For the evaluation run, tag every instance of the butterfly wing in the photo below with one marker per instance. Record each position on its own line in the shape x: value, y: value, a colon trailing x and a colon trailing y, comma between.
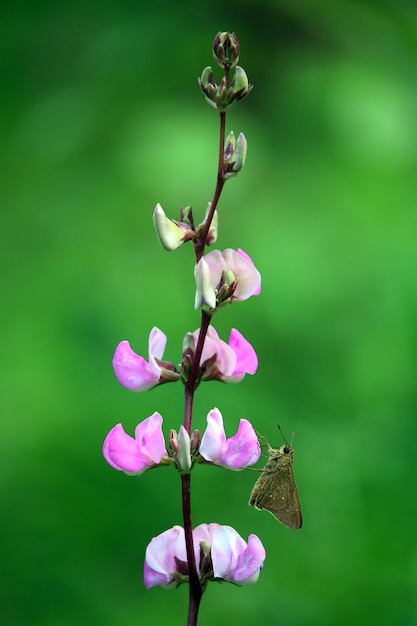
x: 276, y: 491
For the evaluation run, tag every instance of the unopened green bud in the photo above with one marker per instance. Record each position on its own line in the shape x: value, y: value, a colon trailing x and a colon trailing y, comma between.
x: 234, y: 154
x: 240, y: 84
x: 183, y: 455
x: 208, y: 86
x: 226, y: 49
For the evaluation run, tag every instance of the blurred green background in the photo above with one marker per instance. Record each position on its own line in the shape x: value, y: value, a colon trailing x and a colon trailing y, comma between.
x: 102, y: 118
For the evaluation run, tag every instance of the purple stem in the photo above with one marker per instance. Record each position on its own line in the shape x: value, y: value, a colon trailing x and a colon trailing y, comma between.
x: 196, y: 591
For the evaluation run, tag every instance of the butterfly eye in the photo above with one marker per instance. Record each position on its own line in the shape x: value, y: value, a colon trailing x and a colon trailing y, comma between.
x: 287, y: 450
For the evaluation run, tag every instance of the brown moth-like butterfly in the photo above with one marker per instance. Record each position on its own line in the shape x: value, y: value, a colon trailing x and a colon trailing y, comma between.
x: 275, y: 490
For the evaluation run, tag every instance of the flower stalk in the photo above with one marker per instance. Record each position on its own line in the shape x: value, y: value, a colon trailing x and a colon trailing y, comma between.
x: 210, y: 551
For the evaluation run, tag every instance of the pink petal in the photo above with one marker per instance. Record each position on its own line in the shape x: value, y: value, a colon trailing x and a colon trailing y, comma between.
x: 243, y: 448
x: 226, y: 357
x: 250, y: 561
x: 121, y: 452
x: 214, y: 438
x: 150, y: 439
x: 132, y: 371
x: 248, y: 277
x: 247, y: 360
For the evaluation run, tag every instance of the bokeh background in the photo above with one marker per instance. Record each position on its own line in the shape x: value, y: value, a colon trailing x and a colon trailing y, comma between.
x: 101, y: 118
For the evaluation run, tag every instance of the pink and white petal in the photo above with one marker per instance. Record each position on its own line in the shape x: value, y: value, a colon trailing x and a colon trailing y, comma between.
x: 131, y: 369
x: 247, y: 257
x: 159, y: 557
x: 210, y: 345
x: 150, y: 439
x: 246, y: 357
x: 216, y: 263
x: 249, y: 279
x: 214, y: 438
x: 204, y: 532
x: 226, y: 546
x: 156, y: 346
x: 153, y: 578
x: 250, y: 561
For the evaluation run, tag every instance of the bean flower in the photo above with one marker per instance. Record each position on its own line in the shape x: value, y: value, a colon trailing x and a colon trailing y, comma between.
x: 220, y: 553
x: 231, y: 360
x: 223, y: 277
x: 234, y: 453
x: 135, y: 373
x: 136, y: 455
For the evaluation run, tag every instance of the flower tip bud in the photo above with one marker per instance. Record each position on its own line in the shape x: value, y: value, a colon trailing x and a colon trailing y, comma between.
x: 226, y: 49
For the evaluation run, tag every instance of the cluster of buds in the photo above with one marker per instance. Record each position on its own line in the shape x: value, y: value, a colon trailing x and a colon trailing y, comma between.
x: 222, y: 96
x: 226, y: 50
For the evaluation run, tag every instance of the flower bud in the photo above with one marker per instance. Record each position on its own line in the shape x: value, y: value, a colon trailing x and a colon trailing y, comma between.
x: 208, y: 86
x: 234, y: 154
x: 171, y: 234
x: 240, y: 84
x: 226, y: 49
x: 212, y: 233
x: 184, y: 451
x: 195, y: 441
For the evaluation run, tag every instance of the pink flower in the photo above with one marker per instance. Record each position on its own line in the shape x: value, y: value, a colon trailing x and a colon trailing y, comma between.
x: 224, y: 277
x: 220, y: 553
x: 137, y: 374
x: 135, y: 456
x: 233, y: 360
x: 233, y: 559
x: 234, y: 453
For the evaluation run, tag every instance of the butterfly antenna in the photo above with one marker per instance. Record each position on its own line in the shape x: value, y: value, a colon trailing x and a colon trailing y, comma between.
x: 284, y: 437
